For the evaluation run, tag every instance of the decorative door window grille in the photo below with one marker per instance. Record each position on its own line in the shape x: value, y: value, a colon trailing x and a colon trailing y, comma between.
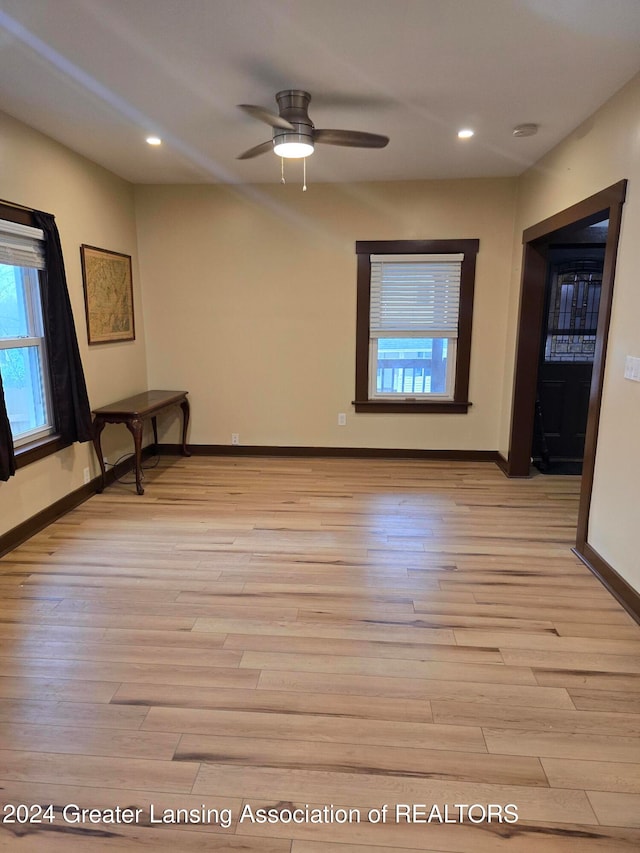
x: 572, y: 320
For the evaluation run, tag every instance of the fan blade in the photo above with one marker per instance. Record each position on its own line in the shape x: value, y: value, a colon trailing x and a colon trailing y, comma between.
x: 267, y: 117
x: 256, y: 150
x: 351, y: 138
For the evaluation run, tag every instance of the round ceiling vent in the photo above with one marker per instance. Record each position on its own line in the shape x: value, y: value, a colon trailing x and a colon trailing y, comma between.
x: 525, y: 130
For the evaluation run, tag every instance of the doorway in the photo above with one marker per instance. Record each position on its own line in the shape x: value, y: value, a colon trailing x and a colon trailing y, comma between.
x: 603, y: 206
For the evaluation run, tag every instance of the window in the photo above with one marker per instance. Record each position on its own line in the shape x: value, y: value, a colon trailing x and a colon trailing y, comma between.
x: 23, y: 353
x: 42, y: 377
x: 415, y: 301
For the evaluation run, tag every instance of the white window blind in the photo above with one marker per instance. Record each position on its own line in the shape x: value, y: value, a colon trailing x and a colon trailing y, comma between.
x: 416, y: 295
x: 21, y: 245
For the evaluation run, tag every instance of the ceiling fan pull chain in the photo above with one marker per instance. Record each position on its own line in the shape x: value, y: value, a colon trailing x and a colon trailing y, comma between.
x: 282, y: 180
x: 304, y: 175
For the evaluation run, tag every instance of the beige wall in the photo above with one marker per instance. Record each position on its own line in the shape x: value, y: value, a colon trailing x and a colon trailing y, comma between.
x: 250, y: 301
x: 91, y: 206
x: 602, y: 151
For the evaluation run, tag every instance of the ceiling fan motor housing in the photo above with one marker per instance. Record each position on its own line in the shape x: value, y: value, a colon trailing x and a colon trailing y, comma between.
x: 294, y: 135
x: 293, y: 105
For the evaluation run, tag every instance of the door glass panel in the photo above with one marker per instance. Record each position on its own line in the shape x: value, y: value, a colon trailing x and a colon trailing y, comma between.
x: 572, y: 320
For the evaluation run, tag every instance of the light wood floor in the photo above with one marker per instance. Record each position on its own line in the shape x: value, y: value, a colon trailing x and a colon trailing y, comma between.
x: 356, y: 633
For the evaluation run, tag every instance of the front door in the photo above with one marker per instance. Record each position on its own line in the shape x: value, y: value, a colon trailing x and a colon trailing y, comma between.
x: 566, y: 359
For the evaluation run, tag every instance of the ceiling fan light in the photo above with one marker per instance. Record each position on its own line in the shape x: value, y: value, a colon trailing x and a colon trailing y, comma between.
x: 293, y: 150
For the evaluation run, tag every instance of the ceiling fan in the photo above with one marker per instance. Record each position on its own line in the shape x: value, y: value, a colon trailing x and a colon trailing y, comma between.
x: 294, y: 134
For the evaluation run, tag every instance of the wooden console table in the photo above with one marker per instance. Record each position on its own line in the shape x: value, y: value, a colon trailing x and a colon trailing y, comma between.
x: 133, y: 412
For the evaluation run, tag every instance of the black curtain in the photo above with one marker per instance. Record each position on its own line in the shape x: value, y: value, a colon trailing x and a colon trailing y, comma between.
x: 7, y: 460
x: 69, y: 391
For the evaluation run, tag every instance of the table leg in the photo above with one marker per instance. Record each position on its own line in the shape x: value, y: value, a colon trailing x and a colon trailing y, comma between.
x: 98, y: 426
x: 154, y: 424
x: 184, y: 405
x: 135, y: 428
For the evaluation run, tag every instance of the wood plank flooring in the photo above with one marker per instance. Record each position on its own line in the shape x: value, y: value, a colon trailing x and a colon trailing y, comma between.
x: 264, y: 633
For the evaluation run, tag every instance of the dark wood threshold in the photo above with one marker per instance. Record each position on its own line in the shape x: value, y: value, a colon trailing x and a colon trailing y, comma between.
x: 619, y: 588
x: 17, y: 535
x: 340, y: 452
x: 408, y: 407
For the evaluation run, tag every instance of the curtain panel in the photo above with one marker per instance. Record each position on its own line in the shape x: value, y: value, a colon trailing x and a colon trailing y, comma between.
x: 7, y: 459
x: 69, y: 390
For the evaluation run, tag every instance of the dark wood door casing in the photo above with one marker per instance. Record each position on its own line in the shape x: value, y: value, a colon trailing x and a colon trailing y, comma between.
x: 606, y: 204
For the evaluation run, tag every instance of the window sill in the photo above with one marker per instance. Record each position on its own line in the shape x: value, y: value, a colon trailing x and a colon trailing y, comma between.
x: 391, y: 407
x: 28, y: 453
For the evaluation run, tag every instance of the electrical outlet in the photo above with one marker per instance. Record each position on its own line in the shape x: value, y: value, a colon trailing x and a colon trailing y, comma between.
x: 86, y: 475
x: 342, y: 419
x: 235, y: 438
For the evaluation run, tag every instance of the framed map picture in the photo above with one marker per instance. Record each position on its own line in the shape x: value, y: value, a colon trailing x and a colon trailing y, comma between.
x: 108, y: 295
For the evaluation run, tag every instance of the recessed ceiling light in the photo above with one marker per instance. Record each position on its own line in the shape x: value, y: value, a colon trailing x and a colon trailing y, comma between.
x: 465, y: 133
x: 154, y: 140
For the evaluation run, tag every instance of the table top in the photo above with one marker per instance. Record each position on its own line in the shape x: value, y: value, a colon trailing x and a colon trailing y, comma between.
x: 141, y: 405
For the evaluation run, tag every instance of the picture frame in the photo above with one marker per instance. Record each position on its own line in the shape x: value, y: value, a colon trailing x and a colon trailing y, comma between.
x: 108, y: 295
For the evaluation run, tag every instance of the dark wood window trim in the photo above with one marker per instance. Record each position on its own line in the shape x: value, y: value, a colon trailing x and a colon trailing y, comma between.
x: 364, y: 249
x: 16, y: 213
x: 39, y: 449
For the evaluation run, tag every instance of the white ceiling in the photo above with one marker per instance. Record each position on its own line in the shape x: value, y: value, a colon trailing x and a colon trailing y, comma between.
x: 99, y: 75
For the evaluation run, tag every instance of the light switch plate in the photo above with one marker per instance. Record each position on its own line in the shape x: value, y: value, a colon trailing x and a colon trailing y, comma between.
x: 632, y: 368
